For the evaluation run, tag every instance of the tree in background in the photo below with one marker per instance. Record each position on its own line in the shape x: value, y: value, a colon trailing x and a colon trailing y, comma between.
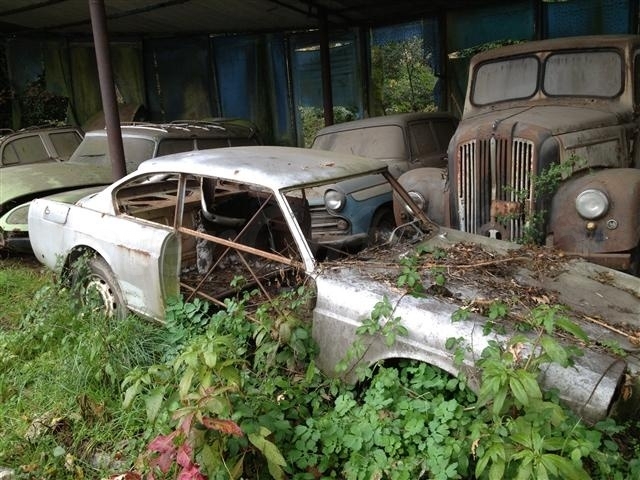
x: 402, y: 79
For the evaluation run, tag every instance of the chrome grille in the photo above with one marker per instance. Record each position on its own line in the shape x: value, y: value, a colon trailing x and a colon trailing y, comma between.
x: 503, y: 176
x: 323, y: 223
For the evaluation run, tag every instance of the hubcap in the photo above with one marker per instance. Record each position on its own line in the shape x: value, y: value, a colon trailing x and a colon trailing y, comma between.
x: 99, y: 296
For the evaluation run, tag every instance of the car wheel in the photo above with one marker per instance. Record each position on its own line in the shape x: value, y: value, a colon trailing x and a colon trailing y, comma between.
x: 99, y: 288
x: 382, y: 224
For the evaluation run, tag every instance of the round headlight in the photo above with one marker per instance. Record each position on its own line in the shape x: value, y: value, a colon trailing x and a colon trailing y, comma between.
x: 334, y: 200
x: 418, y: 199
x: 592, y: 204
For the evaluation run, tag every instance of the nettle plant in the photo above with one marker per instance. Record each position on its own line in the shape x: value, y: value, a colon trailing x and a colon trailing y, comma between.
x: 519, y: 431
x: 239, y: 396
x: 544, y: 184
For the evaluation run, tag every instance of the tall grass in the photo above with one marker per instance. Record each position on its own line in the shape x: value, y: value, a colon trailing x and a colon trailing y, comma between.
x: 61, y: 413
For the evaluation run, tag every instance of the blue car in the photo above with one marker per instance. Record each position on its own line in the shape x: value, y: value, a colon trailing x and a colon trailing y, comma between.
x: 354, y: 214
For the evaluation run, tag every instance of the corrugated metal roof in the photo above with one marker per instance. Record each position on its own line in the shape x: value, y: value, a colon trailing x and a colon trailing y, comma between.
x: 169, y: 17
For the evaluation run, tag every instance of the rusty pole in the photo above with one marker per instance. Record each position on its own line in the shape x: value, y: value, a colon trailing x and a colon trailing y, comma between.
x: 107, y: 88
x: 325, y: 68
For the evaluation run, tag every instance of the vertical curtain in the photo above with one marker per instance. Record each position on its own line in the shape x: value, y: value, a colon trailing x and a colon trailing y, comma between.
x: 587, y: 17
x: 178, y: 77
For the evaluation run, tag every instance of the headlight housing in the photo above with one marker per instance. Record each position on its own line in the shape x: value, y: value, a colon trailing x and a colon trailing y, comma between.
x: 418, y: 199
x: 592, y: 204
x: 334, y: 200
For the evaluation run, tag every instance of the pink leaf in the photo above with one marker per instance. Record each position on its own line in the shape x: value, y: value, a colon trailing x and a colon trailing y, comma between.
x: 228, y: 427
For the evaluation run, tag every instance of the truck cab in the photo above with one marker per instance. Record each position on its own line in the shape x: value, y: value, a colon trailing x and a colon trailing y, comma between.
x: 547, y: 150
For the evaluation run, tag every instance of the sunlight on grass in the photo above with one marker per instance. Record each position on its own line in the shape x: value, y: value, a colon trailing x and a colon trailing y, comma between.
x: 19, y: 280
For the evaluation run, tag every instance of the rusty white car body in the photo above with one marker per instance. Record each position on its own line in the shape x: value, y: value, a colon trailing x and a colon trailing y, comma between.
x: 189, y: 224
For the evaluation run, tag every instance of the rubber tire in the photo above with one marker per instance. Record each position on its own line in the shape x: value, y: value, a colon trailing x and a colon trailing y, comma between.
x: 382, y: 224
x: 106, y: 291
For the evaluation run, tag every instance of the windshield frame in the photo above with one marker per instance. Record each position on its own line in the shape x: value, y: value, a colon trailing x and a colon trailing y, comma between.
x: 484, y: 77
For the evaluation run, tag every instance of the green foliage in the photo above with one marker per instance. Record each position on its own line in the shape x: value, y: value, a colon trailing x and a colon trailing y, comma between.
x: 38, y: 106
x: 470, y: 52
x: 382, y: 323
x: 523, y: 433
x: 222, y: 394
x: 312, y: 120
x: 409, y: 423
x: 544, y: 185
x: 402, y: 79
x: 18, y: 285
x: 222, y: 404
x: 410, y: 277
x: 60, y: 370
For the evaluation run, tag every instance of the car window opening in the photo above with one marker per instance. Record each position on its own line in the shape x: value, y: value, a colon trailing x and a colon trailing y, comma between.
x: 234, y: 237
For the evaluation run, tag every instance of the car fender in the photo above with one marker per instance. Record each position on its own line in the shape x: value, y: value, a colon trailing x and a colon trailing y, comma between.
x: 143, y: 256
x: 431, y: 183
x: 617, y: 231
x: 346, y: 298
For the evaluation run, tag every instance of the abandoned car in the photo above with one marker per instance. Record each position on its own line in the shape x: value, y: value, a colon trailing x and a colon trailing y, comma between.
x: 39, y: 144
x: 356, y: 213
x: 210, y: 223
x: 90, y: 166
x: 547, y: 150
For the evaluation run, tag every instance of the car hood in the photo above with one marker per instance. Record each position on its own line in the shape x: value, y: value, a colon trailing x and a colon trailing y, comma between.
x: 348, y: 187
x: 39, y: 179
x: 555, y: 119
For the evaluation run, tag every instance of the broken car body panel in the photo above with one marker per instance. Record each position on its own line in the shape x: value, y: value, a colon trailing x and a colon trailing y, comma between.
x: 149, y: 229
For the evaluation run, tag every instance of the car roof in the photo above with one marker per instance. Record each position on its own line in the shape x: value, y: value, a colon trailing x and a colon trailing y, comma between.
x: 274, y: 167
x: 568, y: 43
x: 400, y: 119
x: 36, y: 129
x: 224, y: 128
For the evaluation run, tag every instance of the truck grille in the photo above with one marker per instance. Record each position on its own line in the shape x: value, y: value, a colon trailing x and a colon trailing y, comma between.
x: 506, y: 178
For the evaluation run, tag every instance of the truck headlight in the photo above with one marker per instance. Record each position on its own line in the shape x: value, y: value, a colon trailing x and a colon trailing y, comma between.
x: 418, y: 199
x: 334, y: 200
x: 592, y: 204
